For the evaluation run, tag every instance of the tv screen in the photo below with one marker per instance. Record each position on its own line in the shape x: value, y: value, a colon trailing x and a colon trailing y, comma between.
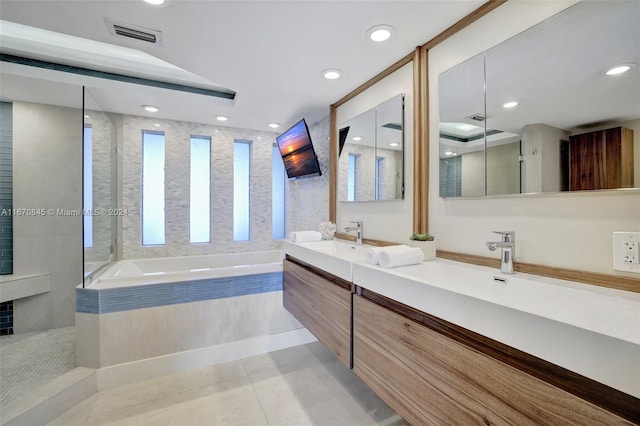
x: 297, y: 152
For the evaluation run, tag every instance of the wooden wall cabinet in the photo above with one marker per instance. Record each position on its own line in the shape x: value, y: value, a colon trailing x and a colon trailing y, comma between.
x: 601, y: 160
x: 430, y: 378
x: 322, y: 303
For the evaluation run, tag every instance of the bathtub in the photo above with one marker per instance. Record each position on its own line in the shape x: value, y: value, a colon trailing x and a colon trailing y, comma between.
x: 142, y: 309
x: 136, y: 272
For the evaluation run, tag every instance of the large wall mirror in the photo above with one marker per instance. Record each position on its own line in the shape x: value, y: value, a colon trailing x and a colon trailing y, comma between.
x: 371, y: 154
x: 542, y: 113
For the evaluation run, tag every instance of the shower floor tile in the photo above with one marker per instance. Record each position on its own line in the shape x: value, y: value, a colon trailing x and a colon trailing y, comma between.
x: 30, y: 360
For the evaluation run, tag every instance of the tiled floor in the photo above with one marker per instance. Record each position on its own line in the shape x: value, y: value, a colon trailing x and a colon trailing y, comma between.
x: 29, y: 360
x: 303, y: 385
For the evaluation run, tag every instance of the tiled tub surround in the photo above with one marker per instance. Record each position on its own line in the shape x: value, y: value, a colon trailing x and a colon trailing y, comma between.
x: 134, y: 313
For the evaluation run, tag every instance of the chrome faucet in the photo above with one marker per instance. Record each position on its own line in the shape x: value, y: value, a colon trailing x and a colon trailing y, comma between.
x: 508, y: 246
x: 358, y: 229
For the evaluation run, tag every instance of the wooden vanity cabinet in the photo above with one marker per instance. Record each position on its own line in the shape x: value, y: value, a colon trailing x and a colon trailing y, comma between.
x: 435, y: 373
x: 322, y: 303
x: 601, y: 160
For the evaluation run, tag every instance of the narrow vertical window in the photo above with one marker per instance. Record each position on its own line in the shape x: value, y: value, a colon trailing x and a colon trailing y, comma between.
x: 277, y: 194
x: 200, y: 201
x: 241, y: 194
x: 87, y: 196
x: 152, y: 188
x: 351, y: 178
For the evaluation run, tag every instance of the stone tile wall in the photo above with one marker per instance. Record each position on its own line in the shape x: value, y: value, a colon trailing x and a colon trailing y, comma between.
x: 307, y: 200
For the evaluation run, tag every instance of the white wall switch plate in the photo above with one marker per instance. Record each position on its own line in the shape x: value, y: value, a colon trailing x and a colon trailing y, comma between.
x: 626, y: 251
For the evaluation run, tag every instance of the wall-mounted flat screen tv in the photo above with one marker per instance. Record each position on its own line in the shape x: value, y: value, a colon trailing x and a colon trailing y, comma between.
x: 297, y: 152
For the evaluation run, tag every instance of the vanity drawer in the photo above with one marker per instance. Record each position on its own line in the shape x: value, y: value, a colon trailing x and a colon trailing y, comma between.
x: 322, y: 303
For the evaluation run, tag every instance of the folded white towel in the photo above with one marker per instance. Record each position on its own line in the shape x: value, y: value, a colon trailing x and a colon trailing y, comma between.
x: 393, y: 258
x: 305, y: 236
x: 373, y: 253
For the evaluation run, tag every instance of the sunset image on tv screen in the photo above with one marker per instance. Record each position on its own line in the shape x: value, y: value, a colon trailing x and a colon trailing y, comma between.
x: 297, y: 151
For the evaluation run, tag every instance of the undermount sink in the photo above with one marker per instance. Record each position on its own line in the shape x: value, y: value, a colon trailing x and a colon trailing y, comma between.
x: 334, y: 256
x: 611, y: 312
x: 552, y: 319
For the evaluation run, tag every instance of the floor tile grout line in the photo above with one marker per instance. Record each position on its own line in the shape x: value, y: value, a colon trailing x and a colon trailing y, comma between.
x: 84, y: 423
x: 173, y: 394
x: 255, y: 392
x: 239, y: 372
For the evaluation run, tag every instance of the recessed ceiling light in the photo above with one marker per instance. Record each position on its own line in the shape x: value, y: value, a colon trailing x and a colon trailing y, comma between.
x: 380, y: 33
x: 357, y: 138
x: 221, y: 118
x: 450, y: 153
x: 86, y: 116
x: 394, y: 144
x: 149, y: 108
x: 155, y: 2
x: 156, y: 124
x: 274, y: 125
x: 619, y: 69
x: 510, y: 104
x: 331, y: 74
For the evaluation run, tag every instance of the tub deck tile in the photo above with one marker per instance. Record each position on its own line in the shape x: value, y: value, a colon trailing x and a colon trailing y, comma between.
x: 104, y: 301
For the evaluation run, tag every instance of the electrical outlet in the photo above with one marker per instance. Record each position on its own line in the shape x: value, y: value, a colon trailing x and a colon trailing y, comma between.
x: 626, y: 251
x: 631, y: 252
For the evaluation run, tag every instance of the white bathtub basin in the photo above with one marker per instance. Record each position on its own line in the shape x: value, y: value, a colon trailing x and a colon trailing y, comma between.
x: 135, y: 272
x: 592, y: 330
x: 335, y: 256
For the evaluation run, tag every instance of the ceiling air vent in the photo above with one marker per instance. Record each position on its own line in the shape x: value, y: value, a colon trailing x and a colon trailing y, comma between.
x: 476, y: 117
x: 394, y: 126
x: 136, y: 32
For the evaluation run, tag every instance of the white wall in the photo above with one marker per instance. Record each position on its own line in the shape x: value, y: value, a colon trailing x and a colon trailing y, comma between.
x: 563, y: 230
x: 384, y: 220
x: 47, y: 167
x: 541, y: 150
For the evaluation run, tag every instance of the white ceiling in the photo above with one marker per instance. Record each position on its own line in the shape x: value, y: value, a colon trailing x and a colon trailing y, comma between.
x: 270, y: 52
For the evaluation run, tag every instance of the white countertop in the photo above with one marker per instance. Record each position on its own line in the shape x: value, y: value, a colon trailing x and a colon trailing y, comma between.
x: 614, y: 313
x: 591, y: 330
x: 334, y: 256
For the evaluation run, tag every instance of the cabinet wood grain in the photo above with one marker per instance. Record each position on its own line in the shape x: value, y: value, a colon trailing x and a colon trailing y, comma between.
x: 601, y: 160
x: 429, y: 378
x: 322, y: 304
